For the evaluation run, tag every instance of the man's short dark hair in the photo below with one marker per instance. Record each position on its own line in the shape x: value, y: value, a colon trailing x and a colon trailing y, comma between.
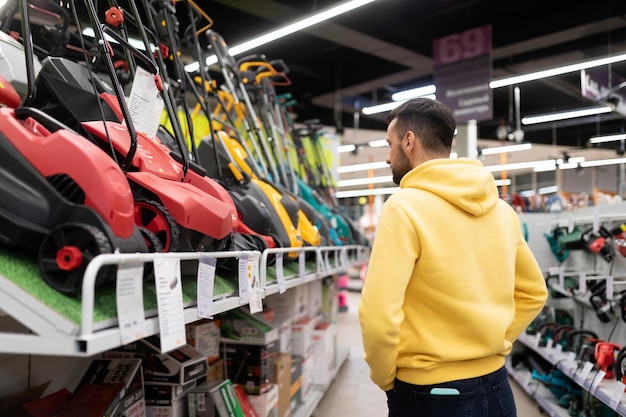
x: 429, y: 119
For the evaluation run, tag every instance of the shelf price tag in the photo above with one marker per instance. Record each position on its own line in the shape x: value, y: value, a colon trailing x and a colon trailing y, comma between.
x: 206, y: 283
x: 617, y: 395
x: 170, y: 303
x: 597, y: 378
x: 301, y: 265
x: 569, y: 361
x: 327, y: 261
x: 584, y: 373
x: 280, y: 273
x: 129, y: 300
x: 549, y: 343
x: 254, y: 284
x: 249, y: 284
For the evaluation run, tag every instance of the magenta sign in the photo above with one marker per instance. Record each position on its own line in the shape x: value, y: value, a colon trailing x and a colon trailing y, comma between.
x: 463, y: 72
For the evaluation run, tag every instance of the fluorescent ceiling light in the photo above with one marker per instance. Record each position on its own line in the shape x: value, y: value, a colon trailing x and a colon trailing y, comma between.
x: 366, y: 192
x: 379, y: 143
x: 570, y: 114
x: 346, y: 148
x: 287, y: 30
x: 602, y: 162
x: 505, y: 149
x: 607, y: 138
x: 362, y: 167
x: 548, y: 190
x: 500, y: 183
x: 503, y: 82
x: 380, y: 108
x: 365, y: 181
x: 137, y: 43
x: 414, y: 92
x: 520, y: 165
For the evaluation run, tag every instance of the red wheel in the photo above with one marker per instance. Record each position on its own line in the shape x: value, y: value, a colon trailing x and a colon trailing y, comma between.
x: 65, y: 253
x: 155, y: 218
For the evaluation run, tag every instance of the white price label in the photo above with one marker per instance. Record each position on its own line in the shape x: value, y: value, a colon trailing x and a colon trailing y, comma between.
x: 597, y: 378
x: 280, y: 274
x: 245, y: 270
x: 254, y: 284
x: 617, y: 395
x: 301, y: 265
x: 129, y: 300
x: 584, y: 373
x: 549, y: 343
x: 170, y: 303
x: 206, y: 283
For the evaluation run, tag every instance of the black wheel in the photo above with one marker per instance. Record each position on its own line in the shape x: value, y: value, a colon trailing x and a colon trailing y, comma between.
x: 65, y: 253
x: 152, y: 240
x: 157, y: 219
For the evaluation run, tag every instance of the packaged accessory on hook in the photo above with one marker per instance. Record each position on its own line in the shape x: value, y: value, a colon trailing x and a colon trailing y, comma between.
x: 597, y: 242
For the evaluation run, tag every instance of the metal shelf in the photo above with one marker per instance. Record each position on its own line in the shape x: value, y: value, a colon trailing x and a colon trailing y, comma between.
x: 537, y: 392
x: 309, y: 407
x: 50, y: 333
x: 603, y: 390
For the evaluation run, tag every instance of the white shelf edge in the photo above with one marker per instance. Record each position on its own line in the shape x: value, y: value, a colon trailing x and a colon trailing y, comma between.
x: 603, y: 391
x: 53, y: 334
x: 540, y: 394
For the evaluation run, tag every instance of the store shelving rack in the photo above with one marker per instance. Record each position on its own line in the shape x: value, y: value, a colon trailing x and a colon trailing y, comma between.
x: 49, y: 332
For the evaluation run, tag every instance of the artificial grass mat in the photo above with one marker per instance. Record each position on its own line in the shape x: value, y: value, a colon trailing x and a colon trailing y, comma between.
x: 21, y: 268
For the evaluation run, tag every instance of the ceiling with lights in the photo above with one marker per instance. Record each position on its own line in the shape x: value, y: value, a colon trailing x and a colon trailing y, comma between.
x: 362, y: 57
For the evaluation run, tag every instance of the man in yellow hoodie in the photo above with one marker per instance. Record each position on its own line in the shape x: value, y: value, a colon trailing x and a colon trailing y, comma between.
x: 451, y: 283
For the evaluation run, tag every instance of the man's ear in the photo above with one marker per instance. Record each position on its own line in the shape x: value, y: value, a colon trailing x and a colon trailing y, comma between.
x: 408, y: 141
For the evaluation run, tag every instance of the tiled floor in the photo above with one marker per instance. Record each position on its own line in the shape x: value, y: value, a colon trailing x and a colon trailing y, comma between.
x: 353, y: 394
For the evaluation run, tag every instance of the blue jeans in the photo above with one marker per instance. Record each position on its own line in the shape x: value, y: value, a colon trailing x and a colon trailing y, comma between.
x: 485, y: 396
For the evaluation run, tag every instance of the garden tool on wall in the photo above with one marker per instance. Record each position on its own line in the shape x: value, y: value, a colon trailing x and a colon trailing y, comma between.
x: 605, y: 353
x: 576, y: 338
x: 597, y: 242
x: 618, y: 367
x: 602, y: 306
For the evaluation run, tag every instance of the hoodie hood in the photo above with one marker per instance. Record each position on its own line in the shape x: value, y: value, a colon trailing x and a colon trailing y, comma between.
x: 463, y: 182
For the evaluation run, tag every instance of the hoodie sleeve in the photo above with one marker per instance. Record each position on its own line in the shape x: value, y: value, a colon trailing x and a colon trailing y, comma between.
x: 393, y: 257
x: 530, y: 291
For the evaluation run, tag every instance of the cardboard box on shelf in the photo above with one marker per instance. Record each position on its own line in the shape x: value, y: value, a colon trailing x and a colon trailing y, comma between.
x: 204, y: 336
x: 284, y: 334
x: 167, y: 400
x: 108, y: 387
x: 266, y: 404
x: 250, y: 365
x: 244, y: 401
x: 282, y: 379
x: 289, y: 305
x: 324, y: 353
x: 302, y: 337
x: 179, y: 366
x: 238, y: 326
x: 295, y: 392
x: 314, y: 298
x: 308, y: 370
x: 222, y: 394
x: 216, y: 370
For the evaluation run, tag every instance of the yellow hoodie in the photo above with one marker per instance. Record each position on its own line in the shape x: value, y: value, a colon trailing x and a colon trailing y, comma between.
x: 451, y: 283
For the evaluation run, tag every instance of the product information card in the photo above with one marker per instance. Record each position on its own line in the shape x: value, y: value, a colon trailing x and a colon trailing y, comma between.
x: 170, y: 303
x: 206, y: 283
x: 129, y: 300
x: 249, y: 283
x: 280, y: 273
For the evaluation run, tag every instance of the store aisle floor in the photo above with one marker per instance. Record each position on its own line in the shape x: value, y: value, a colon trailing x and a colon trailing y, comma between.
x: 353, y: 394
